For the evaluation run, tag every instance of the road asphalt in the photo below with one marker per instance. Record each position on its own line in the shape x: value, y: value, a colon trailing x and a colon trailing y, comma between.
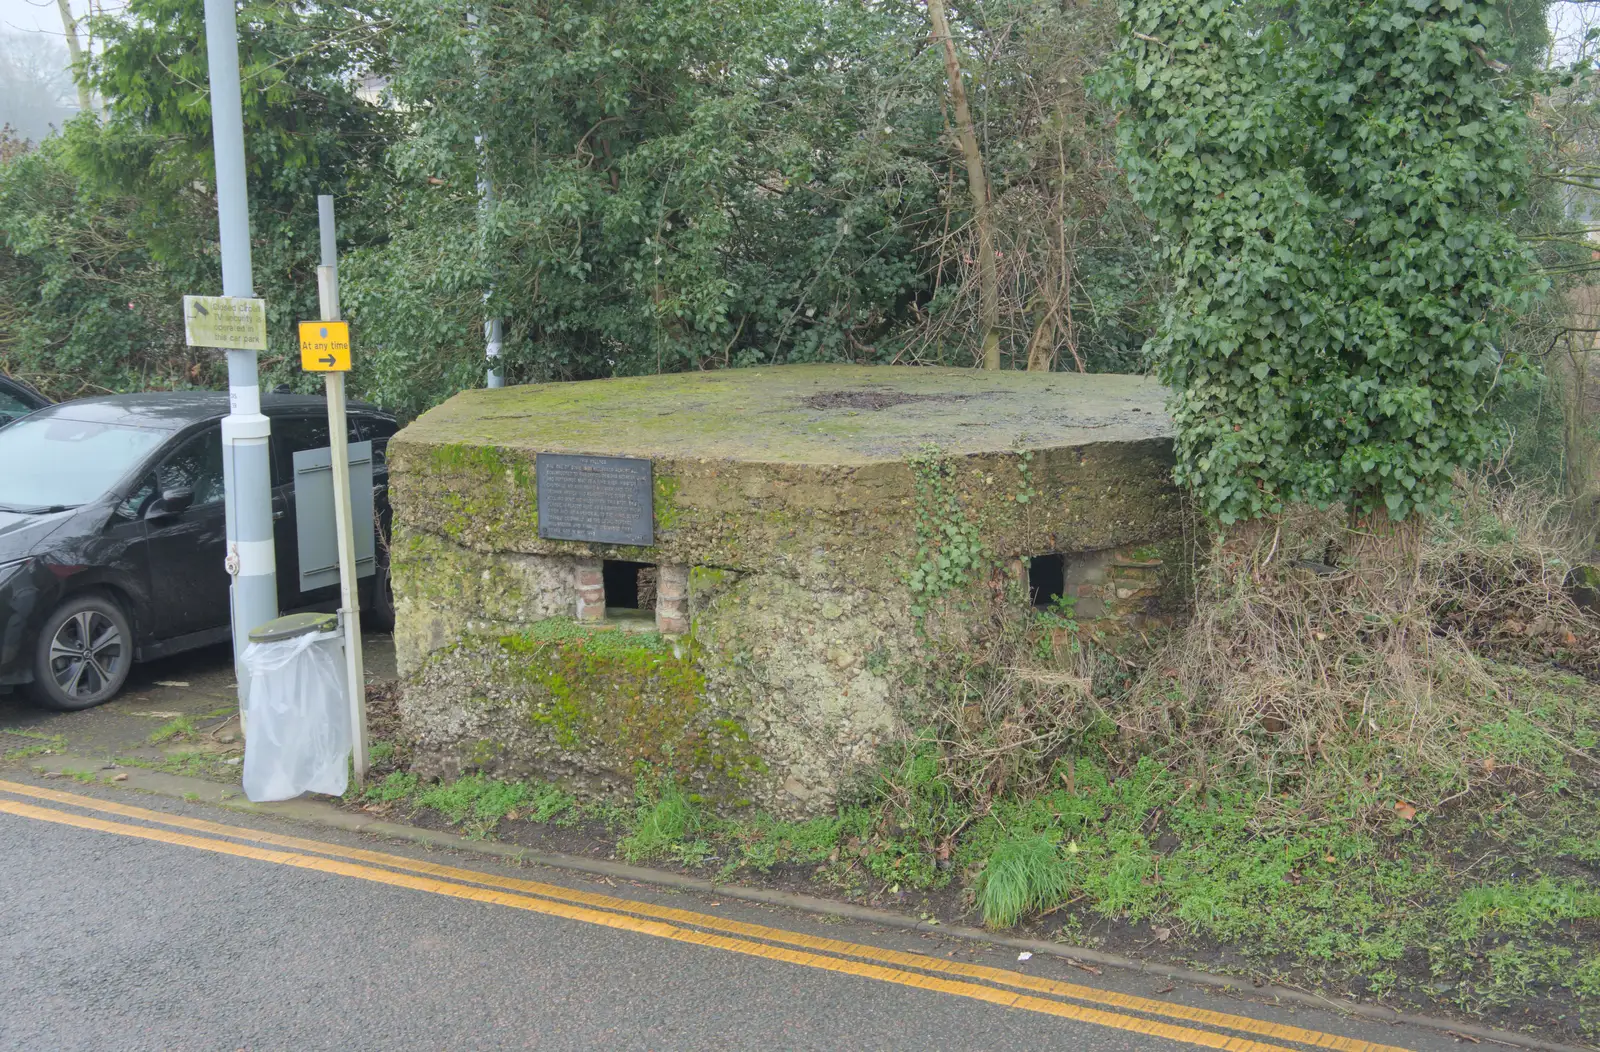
x: 132, y: 921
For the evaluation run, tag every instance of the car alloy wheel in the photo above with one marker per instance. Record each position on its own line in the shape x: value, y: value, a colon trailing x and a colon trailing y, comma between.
x: 85, y: 652
x: 86, y: 655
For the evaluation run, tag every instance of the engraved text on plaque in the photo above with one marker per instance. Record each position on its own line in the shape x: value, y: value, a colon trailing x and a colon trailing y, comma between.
x: 603, y: 499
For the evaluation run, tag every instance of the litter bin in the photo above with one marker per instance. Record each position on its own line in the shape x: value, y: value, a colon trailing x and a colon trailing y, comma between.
x: 299, y: 713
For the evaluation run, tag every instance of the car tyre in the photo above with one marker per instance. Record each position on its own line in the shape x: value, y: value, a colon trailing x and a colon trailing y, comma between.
x: 84, y: 652
x: 378, y: 615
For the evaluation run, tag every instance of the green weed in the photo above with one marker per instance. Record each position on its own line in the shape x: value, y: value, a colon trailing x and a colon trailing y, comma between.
x: 1024, y: 874
x: 179, y: 729
x: 665, y: 819
x: 44, y: 743
x: 396, y: 786
x: 1062, y: 613
x: 764, y: 842
x: 1508, y: 907
x: 694, y: 852
x: 1584, y: 848
x: 1586, y: 978
x: 916, y: 798
x: 550, y: 803
x: 189, y: 764
x: 475, y: 802
x: 605, y: 812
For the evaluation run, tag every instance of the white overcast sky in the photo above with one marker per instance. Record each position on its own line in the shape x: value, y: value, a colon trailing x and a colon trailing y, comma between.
x: 34, y: 16
x: 1569, y: 21
x: 28, y: 16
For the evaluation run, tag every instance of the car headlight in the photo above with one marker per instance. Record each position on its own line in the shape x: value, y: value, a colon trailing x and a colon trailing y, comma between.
x: 13, y: 567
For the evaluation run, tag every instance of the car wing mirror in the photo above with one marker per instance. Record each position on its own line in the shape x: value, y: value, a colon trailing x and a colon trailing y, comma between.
x: 171, y: 502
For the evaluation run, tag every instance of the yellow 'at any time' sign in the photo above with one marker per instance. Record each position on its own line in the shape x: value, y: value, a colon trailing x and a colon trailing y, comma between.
x: 325, y: 346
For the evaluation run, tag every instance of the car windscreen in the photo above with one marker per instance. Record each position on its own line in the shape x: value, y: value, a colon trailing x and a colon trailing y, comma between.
x: 52, y: 462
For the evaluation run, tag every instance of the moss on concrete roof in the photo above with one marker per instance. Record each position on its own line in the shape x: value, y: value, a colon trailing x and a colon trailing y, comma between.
x: 803, y: 414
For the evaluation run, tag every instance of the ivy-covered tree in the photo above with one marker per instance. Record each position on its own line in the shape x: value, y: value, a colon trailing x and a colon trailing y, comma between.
x: 1331, y: 183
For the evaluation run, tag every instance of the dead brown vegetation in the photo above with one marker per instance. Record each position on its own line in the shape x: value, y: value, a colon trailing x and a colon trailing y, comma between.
x: 1297, y: 647
x: 1008, y: 703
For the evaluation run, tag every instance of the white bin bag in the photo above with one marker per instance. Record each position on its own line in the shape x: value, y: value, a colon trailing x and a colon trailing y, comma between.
x: 298, y: 731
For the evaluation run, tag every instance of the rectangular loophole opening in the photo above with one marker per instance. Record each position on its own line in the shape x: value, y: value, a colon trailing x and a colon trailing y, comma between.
x: 1047, y: 578
x: 629, y: 585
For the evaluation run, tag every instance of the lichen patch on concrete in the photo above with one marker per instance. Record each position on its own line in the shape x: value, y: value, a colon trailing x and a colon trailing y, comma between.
x: 795, y: 414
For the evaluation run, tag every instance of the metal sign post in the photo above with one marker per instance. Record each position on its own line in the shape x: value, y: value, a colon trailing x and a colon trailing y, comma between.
x: 325, y: 348
x: 493, y: 327
x: 246, y: 468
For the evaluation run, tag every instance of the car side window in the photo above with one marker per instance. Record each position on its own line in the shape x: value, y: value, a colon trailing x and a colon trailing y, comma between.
x: 197, y: 464
x: 12, y: 406
x: 379, y: 432
x: 294, y: 434
x: 132, y: 508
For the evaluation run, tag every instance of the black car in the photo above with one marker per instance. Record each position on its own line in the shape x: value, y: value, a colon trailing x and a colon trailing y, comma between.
x: 18, y: 399
x: 112, y: 534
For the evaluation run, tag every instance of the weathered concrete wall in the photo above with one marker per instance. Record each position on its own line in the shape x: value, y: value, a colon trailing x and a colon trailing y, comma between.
x: 797, y: 529
x: 812, y: 520
x: 444, y: 591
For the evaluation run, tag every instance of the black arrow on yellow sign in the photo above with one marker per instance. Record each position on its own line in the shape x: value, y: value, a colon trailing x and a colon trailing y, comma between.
x: 330, y: 361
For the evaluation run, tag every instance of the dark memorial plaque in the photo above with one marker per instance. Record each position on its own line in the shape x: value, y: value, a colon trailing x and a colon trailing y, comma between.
x: 603, y: 499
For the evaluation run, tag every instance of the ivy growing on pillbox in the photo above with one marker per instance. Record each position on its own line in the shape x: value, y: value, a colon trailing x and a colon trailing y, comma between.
x: 1331, y: 183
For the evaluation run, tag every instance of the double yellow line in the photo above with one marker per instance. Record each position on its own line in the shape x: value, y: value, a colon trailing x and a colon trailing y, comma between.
x: 993, y: 985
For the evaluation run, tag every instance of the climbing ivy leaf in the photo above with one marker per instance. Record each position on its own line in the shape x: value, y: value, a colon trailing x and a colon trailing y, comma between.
x: 1331, y: 185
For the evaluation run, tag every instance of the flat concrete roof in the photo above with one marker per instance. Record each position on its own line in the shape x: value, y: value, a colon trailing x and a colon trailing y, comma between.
x: 803, y: 414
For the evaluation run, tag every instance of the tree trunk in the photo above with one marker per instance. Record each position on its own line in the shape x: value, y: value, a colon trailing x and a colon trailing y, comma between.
x: 1041, y: 347
x: 1578, y: 402
x: 1385, y: 556
x: 69, y: 25
x: 977, y: 183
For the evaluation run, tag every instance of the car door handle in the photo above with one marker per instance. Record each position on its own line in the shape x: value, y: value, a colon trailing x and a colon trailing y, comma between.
x: 280, y: 513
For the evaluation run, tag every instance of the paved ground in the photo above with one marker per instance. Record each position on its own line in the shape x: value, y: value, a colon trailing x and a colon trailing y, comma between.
x: 123, y: 932
x: 199, y: 685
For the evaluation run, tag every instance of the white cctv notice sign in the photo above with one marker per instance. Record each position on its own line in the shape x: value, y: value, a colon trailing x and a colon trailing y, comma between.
x: 230, y: 323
